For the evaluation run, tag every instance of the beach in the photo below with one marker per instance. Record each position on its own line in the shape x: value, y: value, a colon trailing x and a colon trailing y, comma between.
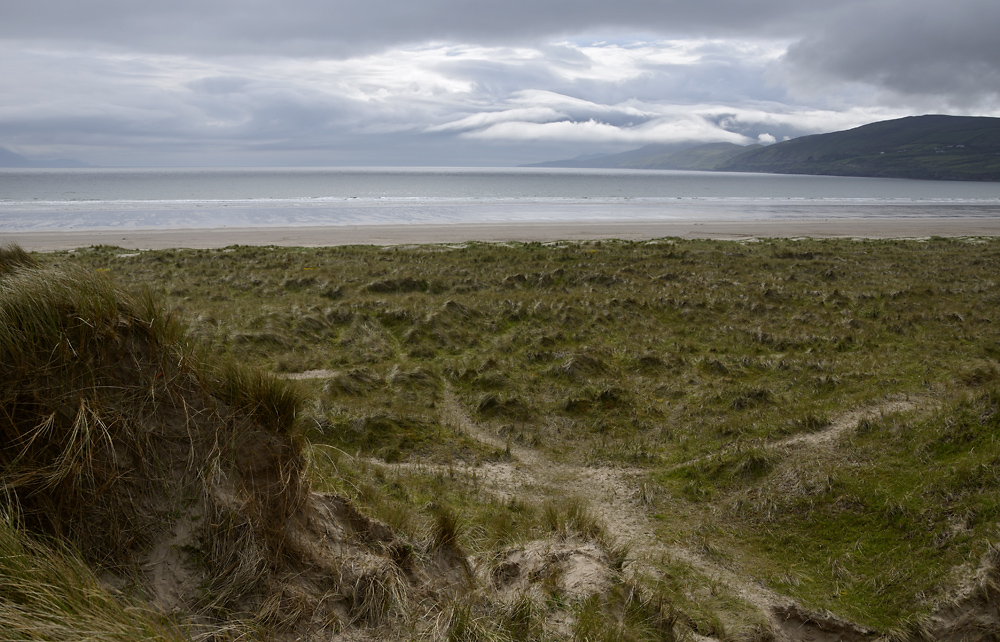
x: 163, y: 238
x: 213, y: 208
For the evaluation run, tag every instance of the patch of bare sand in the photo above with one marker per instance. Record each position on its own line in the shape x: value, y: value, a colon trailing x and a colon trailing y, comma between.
x: 173, y: 578
x: 308, y: 374
x: 581, y: 569
x: 845, y: 422
x: 973, y: 612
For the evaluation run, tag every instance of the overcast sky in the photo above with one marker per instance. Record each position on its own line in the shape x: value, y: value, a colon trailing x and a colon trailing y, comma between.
x: 469, y: 82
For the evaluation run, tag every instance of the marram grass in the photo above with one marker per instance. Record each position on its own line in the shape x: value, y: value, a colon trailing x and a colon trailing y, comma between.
x: 111, y: 427
x: 48, y: 593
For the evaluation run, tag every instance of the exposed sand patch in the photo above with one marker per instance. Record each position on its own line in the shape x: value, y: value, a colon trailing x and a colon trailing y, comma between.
x: 580, y: 569
x: 796, y: 625
x: 172, y: 576
x: 308, y: 374
x: 845, y: 423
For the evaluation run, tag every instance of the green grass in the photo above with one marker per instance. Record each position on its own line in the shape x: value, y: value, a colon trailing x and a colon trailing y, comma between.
x: 690, y: 360
x: 876, y: 538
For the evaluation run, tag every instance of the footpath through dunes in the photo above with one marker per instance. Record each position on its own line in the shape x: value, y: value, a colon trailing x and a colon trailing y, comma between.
x: 619, y: 498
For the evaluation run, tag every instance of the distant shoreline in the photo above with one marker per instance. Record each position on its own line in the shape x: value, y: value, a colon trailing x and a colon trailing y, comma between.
x: 419, y: 234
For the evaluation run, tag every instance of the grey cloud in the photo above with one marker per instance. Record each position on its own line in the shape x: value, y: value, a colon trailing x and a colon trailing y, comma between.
x: 913, y: 47
x: 322, y: 27
x: 493, y: 78
x: 231, y: 81
x: 219, y: 84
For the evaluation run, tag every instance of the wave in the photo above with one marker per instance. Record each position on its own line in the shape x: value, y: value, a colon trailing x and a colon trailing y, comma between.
x: 337, y: 211
x: 10, y: 205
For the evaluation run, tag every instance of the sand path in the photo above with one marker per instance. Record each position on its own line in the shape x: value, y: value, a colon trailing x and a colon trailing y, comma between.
x: 619, y: 497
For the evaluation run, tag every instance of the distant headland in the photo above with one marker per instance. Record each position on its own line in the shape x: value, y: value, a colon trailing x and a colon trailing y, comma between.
x: 935, y: 147
x: 10, y: 159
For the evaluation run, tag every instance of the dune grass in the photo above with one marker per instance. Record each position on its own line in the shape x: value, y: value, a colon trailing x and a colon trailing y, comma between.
x: 694, y: 361
x: 112, y: 426
x: 49, y: 593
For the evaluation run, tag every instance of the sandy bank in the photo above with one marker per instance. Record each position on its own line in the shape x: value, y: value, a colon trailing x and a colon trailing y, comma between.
x: 456, y: 233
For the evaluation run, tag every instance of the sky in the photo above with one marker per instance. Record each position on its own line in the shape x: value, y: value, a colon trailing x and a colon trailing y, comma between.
x: 470, y: 82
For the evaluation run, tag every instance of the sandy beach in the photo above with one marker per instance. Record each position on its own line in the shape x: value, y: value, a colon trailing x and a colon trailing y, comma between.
x: 47, y: 241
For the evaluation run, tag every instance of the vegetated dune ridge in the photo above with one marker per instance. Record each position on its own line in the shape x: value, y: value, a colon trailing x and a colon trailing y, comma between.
x: 186, y: 484
x: 181, y: 484
x: 178, y: 482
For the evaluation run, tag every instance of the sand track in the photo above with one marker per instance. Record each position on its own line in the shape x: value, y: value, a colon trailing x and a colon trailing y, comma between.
x: 619, y: 497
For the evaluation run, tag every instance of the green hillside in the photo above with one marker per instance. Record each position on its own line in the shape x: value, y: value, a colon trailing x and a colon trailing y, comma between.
x: 924, y: 147
x: 614, y: 161
x: 703, y: 157
x: 657, y: 156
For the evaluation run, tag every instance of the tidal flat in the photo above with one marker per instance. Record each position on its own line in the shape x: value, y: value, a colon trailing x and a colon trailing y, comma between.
x: 747, y: 431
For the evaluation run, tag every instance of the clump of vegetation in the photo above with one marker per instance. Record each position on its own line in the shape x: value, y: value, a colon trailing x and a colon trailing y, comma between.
x: 114, y: 429
x: 13, y: 257
x: 49, y: 593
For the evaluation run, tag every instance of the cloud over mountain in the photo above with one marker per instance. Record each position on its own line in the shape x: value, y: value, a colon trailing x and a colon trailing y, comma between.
x: 455, y: 82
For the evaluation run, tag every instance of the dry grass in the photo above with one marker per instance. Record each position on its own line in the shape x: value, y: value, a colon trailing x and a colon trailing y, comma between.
x: 113, y: 429
x: 49, y: 593
x: 13, y: 257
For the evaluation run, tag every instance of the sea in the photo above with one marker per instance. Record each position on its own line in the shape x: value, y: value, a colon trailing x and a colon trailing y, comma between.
x: 193, y: 198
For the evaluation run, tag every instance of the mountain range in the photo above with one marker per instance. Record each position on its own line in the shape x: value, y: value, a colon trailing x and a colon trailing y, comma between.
x: 936, y: 147
x: 10, y: 159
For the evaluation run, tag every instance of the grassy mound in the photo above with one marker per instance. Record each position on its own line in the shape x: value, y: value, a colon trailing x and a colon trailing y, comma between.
x: 113, y: 430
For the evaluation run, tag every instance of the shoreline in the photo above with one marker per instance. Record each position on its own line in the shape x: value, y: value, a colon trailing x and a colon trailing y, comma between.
x: 423, y: 234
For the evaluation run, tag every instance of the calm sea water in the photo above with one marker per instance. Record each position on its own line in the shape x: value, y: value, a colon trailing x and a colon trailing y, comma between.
x: 61, y: 199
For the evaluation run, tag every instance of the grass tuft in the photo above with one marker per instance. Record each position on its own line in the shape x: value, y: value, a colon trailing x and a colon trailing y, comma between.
x: 377, y: 593
x: 49, y: 593
x: 272, y: 401
x: 13, y: 257
x: 448, y: 526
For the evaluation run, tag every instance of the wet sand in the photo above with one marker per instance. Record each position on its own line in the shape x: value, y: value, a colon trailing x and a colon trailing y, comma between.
x: 872, y: 228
